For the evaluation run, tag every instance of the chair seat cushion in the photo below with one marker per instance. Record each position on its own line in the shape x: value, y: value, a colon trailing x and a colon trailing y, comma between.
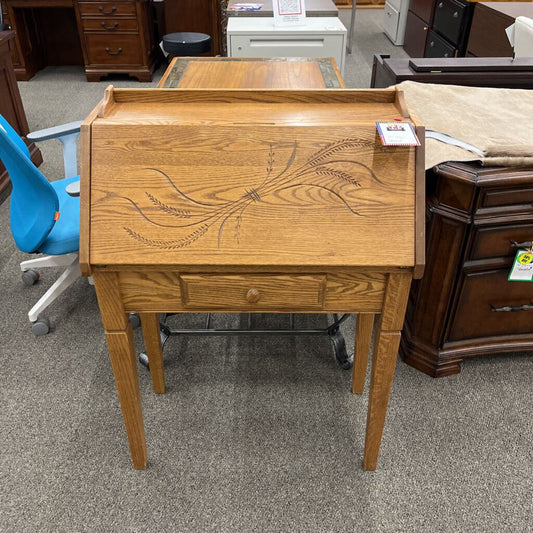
x: 186, y: 43
x: 65, y: 235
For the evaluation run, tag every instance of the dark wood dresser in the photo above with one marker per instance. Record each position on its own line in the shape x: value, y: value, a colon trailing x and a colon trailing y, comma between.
x: 437, y: 28
x: 487, y: 33
x: 442, y: 28
x: 464, y: 305
x: 11, y: 106
x: 107, y: 37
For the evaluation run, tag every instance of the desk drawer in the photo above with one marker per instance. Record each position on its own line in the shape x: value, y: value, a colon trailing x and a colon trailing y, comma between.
x: 107, y: 9
x: 276, y: 292
x: 119, y: 49
x: 169, y: 291
x: 109, y: 24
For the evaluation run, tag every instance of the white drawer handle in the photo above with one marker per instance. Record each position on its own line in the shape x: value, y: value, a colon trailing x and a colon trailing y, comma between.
x: 288, y: 42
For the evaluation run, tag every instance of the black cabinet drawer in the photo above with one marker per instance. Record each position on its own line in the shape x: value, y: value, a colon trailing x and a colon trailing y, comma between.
x: 449, y: 19
x: 438, y: 47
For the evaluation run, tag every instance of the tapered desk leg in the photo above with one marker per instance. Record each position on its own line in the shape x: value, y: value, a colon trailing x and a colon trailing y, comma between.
x: 363, y: 339
x: 384, y: 363
x: 152, y: 342
x: 119, y: 338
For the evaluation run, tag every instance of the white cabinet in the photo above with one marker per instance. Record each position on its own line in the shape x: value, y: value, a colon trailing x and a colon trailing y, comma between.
x: 258, y: 37
x: 395, y: 19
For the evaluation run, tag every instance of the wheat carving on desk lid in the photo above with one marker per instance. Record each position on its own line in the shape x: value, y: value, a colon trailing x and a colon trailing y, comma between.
x: 330, y: 169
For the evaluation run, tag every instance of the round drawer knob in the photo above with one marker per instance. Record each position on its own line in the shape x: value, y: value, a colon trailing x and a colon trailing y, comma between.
x: 253, y: 296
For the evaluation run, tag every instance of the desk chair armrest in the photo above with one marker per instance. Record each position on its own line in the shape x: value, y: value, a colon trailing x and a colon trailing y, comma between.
x: 68, y: 135
x: 55, y: 132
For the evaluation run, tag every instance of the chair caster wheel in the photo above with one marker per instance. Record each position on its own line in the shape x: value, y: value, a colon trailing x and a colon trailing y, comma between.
x: 40, y: 327
x: 135, y: 320
x: 30, y: 277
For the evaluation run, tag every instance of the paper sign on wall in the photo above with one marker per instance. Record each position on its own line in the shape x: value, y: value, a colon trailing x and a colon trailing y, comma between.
x: 289, y: 12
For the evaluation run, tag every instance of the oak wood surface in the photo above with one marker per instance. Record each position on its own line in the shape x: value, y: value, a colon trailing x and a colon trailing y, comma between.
x: 251, y: 73
x: 249, y: 178
x: 276, y: 201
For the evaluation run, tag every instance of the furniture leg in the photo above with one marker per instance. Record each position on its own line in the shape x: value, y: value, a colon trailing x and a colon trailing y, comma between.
x: 152, y: 342
x: 119, y: 336
x: 384, y: 363
x: 363, y: 338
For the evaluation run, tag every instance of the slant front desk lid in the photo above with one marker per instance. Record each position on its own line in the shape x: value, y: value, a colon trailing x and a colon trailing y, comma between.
x: 248, y: 177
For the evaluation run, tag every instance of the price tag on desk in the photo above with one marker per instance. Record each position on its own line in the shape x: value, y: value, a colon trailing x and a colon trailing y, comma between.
x: 397, y: 134
x: 522, y: 269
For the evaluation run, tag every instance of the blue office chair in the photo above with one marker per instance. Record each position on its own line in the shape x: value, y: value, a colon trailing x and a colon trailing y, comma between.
x: 44, y: 215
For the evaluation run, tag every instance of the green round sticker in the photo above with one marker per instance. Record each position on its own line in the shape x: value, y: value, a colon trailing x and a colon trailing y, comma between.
x: 525, y: 259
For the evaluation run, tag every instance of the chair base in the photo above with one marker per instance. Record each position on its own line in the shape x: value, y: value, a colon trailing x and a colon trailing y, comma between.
x: 69, y: 276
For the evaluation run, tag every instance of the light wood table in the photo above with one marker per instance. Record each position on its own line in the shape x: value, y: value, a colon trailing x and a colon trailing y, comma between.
x: 235, y: 200
x: 252, y: 73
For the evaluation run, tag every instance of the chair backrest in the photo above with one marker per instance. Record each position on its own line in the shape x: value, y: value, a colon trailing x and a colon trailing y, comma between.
x: 523, y: 37
x: 34, y: 202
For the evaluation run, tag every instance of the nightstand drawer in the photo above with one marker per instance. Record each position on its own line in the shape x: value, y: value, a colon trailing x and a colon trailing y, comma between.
x: 107, y: 9
x: 249, y: 292
x: 119, y: 49
x: 490, y: 306
x: 109, y: 24
x: 498, y: 242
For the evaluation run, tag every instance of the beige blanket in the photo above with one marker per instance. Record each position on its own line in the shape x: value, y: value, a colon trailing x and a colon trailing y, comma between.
x: 497, y: 121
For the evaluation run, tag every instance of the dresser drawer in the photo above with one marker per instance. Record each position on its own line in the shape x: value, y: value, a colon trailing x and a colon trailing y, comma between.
x: 449, y: 19
x: 507, y: 197
x: 213, y: 291
x: 116, y: 49
x: 483, y: 300
x: 438, y: 47
x: 498, y: 242
x: 107, y: 9
x: 109, y: 24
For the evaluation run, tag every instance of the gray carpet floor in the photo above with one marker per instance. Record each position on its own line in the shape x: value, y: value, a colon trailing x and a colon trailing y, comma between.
x: 253, y: 434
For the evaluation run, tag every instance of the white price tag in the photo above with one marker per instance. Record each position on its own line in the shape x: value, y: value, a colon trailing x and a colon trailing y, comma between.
x: 289, y: 12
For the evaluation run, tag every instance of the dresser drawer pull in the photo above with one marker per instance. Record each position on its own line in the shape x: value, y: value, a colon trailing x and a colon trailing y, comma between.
x: 526, y: 244
x: 101, y: 9
x: 110, y: 28
x: 108, y: 50
x: 508, y: 308
x: 253, y: 296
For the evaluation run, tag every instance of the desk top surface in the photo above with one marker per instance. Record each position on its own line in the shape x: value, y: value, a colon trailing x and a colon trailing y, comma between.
x: 252, y: 73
